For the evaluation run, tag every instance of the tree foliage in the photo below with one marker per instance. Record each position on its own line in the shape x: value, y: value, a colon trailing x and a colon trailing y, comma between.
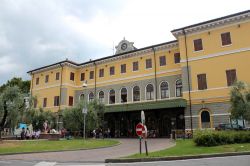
x: 11, y: 105
x: 240, y: 101
x: 37, y: 117
x: 24, y: 86
x: 73, y: 117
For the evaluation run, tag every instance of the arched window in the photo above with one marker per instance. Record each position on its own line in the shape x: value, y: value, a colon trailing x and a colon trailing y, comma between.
x: 101, y: 96
x: 178, y: 88
x: 164, y: 90
x: 136, y: 93
x: 124, y: 95
x: 111, y: 96
x: 81, y: 97
x: 91, y: 96
x: 205, y: 119
x: 149, y: 92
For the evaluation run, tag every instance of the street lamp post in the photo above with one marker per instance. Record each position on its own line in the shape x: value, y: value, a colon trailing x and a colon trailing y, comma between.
x: 84, y: 111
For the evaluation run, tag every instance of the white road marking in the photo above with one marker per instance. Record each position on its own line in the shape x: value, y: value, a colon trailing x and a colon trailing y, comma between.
x: 6, y: 162
x: 45, y: 164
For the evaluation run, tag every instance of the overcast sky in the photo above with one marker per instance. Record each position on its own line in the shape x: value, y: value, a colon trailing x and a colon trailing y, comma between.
x: 35, y: 33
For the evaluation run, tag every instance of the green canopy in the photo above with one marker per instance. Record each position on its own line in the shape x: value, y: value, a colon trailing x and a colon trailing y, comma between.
x: 171, y: 103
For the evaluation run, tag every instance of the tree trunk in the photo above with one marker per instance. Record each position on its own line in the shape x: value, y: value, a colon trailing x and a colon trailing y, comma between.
x: 5, y: 114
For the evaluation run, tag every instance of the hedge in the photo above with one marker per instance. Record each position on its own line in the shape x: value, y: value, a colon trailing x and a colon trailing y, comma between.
x: 214, y: 138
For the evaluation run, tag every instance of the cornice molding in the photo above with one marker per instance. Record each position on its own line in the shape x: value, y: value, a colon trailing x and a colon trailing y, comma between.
x: 216, y: 54
x: 211, y: 25
x: 138, y: 53
x: 55, y: 66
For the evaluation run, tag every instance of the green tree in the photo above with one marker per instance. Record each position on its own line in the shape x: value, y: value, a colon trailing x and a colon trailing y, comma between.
x: 240, y: 101
x: 24, y: 86
x: 11, y: 104
x: 37, y: 117
x: 73, y: 117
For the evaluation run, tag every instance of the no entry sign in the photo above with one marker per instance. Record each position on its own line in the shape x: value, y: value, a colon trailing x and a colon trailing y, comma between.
x: 140, y: 129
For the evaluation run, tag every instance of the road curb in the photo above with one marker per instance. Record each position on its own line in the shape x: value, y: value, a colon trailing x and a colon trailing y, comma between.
x: 102, y: 147
x: 131, y: 160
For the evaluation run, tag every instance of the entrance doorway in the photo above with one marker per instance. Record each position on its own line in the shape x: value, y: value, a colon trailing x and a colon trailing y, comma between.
x: 159, y: 122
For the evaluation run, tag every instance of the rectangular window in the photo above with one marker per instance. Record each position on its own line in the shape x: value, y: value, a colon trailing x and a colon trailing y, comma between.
x: 226, y: 39
x: 72, y: 76
x: 177, y: 57
x: 56, y: 101
x: 57, y: 76
x: 46, y: 78
x: 148, y: 63
x: 71, y: 99
x: 231, y: 77
x: 101, y: 73
x: 35, y: 103
x: 82, y: 76
x: 135, y: 66
x: 37, y: 80
x: 162, y: 61
x: 91, y: 75
x: 198, y: 45
x: 112, y: 70
x: 44, y: 102
x: 202, y: 81
x: 123, y: 68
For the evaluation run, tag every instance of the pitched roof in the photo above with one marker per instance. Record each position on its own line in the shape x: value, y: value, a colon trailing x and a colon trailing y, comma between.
x: 210, y: 21
x: 100, y: 59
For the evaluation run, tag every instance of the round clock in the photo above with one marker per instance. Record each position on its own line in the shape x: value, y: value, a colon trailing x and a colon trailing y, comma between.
x: 124, y: 46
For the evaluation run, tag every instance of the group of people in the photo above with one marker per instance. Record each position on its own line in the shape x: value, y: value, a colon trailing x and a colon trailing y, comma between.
x: 27, y: 134
x: 98, y: 133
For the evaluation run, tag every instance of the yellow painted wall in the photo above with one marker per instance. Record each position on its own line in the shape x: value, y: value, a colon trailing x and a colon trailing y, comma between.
x: 215, y: 68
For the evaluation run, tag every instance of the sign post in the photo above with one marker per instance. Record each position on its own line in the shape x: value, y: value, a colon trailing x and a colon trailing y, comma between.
x: 144, y: 132
x: 142, y: 117
x: 139, y: 130
x: 84, y: 111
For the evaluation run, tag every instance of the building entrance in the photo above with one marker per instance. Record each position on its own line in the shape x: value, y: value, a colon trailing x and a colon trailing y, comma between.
x: 159, y: 122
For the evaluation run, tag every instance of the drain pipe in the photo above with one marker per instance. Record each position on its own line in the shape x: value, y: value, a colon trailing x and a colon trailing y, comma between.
x: 95, y: 77
x: 31, y: 85
x: 156, y: 89
x: 60, y: 93
x: 189, y: 89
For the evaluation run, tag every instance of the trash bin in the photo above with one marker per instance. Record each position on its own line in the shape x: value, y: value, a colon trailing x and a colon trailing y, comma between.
x: 173, y: 134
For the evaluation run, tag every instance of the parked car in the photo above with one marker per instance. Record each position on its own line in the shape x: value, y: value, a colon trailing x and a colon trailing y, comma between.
x: 224, y: 126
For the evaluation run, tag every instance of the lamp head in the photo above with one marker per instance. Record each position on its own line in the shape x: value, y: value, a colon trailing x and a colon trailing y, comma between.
x: 84, y: 85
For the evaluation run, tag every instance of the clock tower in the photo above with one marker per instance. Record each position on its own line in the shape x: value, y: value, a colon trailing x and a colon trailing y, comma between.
x: 124, y: 46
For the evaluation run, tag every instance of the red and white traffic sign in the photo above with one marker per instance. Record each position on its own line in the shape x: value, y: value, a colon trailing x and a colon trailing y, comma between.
x: 140, y: 129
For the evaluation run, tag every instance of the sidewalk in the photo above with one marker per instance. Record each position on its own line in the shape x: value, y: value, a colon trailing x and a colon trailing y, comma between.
x: 127, y: 147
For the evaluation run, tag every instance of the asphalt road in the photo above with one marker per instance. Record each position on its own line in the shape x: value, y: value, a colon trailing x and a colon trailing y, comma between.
x: 217, y: 161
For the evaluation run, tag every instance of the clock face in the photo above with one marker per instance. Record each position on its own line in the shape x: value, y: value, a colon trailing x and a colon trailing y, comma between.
x: 124, y: 46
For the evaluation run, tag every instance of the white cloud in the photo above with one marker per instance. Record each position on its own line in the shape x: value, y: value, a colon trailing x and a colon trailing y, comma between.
x: 38, y: 33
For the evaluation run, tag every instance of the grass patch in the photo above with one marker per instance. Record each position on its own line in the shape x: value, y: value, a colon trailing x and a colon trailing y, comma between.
x: 45, y: 145
x: 188, y: 147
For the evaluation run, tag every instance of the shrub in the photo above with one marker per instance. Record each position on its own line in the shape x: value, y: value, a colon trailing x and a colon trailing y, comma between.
x: 213, y: 138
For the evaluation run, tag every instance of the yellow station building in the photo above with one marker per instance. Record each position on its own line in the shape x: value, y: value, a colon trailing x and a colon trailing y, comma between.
x: 182, y: 84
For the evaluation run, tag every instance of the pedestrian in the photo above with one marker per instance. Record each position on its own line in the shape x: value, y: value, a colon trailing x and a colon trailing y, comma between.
x: 94, y: 133
x: 27, y: 133
x: 23, y: 134
x: 109, y: 133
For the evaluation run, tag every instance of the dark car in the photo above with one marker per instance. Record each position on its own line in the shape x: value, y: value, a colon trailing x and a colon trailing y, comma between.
x: 224, y: 126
